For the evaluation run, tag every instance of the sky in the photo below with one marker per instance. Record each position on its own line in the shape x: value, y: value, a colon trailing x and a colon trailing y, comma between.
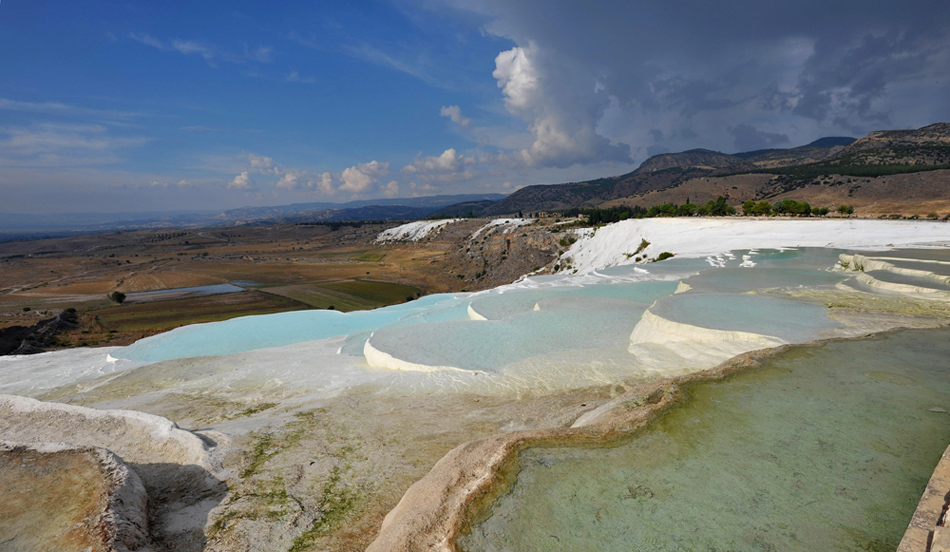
x: 146, y: 106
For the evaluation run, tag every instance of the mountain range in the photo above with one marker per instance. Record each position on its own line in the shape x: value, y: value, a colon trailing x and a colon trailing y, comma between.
x: 896, y: 172
x: 16, y: 225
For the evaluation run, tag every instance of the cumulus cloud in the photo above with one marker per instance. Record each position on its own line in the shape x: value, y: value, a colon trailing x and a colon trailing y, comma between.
x: 241, y: 182
x: 590, y: 77
x: 448, y: 167
x: 562, y: 114
x: 358, y: 178
x: 263, y: 164
x: 391, y: 189
x: 325, y: 184
x: 289, y: 181
x: 454, y: 113
x: 418, y: 190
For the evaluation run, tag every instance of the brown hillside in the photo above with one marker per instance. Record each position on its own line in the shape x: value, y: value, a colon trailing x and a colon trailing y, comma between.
x: 699, y: 158
x: 921, y: 194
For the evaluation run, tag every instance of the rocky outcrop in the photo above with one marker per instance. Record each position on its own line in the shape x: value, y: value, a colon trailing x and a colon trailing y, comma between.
x: 23, y: 340
x: 929, y: 529
x: 88, y: 497
x: 700, y: 158
x: 176, y: 467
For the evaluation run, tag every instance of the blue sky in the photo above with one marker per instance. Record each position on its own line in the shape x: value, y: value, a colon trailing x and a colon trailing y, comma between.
x: 109, y: 106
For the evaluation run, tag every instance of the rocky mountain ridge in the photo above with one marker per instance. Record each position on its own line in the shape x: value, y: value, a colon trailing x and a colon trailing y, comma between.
x: 826, y: 169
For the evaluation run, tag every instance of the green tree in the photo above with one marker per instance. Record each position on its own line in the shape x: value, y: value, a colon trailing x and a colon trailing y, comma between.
x: 717, y: 208
x: 748, y: 208
x: 845, y: 209
x: 117, y: 296
x: 687, y: 209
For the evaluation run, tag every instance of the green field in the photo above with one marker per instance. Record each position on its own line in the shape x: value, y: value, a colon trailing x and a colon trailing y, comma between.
x: 346, y: 295
x: 164, y: 315
x: 370, y: 257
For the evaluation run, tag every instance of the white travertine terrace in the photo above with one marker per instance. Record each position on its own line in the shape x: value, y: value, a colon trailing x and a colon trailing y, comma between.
x: 413, y: 231
x: 610, y: 245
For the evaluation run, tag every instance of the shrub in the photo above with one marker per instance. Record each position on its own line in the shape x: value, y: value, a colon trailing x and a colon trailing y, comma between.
x: 643, y: 245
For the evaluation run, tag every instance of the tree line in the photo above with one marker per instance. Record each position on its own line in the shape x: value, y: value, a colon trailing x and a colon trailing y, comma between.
x: 713, y: 208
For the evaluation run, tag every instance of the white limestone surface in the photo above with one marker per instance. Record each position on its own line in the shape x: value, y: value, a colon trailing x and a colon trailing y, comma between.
x: 413, y: 231
x: 673, y: 348
x: 135, y: 436
x: 700, y: 237
x: 505, y: 225
x: 34, y: 374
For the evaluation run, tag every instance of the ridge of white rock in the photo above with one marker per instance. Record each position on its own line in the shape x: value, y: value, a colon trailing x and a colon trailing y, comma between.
x: 413, y: 231
x: 123, y: 524
x: 474, y: 314
x: 700, y: 237
x: 862, y: 264
x: 673, y: 348
x: 381, y: 359
x: 134, y: 436
x: 507, y: 225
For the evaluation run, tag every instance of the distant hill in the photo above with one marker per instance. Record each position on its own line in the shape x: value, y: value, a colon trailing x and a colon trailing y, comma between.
x: 694, y: 158
x: 929, y: 145
x: 532, y: 199
x: 20, y: 226
x: 829, y: 161
x: 464, y: 209
x: 382, y: 209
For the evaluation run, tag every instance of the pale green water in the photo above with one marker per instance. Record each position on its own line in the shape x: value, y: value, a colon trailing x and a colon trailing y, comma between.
x: 825, y: 448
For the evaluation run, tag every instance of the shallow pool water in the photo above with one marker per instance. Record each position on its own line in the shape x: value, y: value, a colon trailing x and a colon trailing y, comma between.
x: 561, y: 324
x: 908, y: 280
x: 791, y: 321
x: 825, y: 447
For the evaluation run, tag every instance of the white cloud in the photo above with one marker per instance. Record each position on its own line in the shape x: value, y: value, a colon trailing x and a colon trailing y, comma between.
x: 294, y: 76
x: 591, y: 71
x: 562, y: 113
x: 325, y: 184
x: 189, y: 47
x: 263, y: 164
x: 262, y: 54
x: 241, y: 182
x: 454, y: 113
x: 421, y: 189
x: 149, y: 40
x: 448, y: 167
x: 358, y: 178
x: 56, y: 108
x: 411, y: 63
x: 518, y: 78
x: 391, y: 189
x: 289, y: 181
x: 210, y: 53
x: 53, y: 144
